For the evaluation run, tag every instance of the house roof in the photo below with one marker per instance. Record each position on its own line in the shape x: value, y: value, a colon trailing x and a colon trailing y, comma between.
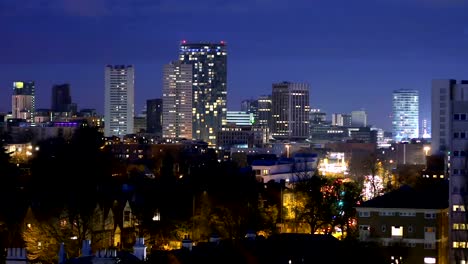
x: 264, y: 162
x: 429, y: 196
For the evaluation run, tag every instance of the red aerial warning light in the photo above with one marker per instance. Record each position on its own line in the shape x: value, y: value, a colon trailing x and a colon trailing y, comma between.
x: 184, y: 41
x: 222, y: 41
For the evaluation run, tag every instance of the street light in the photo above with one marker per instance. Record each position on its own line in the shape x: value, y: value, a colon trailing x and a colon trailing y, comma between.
x: 426, y: 149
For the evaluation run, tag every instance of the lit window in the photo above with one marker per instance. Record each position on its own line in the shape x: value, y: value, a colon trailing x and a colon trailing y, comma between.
x: 397, y: 231
x: 429, y: 260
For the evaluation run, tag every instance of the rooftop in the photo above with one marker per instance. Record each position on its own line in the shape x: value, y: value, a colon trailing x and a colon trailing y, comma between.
x: 428, y: 196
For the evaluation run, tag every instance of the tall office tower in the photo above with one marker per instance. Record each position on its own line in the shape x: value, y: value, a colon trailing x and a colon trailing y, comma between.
x: 450, y: 138
x: 119, y: 106
x: 341, y: 120
x: 154, y: 111
x: 359, y: 118
x: 23, y: 102
x: 209, y: 86
x: 177, y: 100
x: 61, y: 98
x: 291, y: 109
x: 264, y: 111
x: 405, y: 111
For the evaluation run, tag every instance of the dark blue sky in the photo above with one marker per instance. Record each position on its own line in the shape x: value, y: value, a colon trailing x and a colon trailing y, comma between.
x: 353, y: 53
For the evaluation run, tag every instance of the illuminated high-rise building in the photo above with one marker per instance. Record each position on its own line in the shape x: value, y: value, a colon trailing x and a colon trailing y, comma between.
x: 23, y: 102
x: 119, y: 105
x: 405, y: 114
x: 291, y: 108
x: 209, y: 86
x: 177, y: 100
x: 264, y: 111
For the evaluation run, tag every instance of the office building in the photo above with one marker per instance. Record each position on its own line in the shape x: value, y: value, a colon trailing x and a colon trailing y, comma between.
x: 405, y: 112
x: 119, y: 106
x: 290, y: 111
x: 23, y: 101
x: 359, y: 118
x: 61, y: 98
x: 343, y: 120
x: 264, y: 111
x: 209, y: 87
x: 239, y: 118
x: 154, y: 111
x: 177, y: 100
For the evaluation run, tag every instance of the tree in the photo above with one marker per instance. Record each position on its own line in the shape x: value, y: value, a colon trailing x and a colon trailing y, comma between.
x: 42, y: 238
x: 349, y: 195
x: 11, y: 200
x: 317, y: 203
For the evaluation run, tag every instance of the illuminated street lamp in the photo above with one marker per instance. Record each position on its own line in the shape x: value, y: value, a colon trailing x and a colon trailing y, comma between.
x: 426, y: 149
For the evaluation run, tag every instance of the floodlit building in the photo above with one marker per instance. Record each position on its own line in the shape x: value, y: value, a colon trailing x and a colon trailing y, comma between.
x: 405, y: 121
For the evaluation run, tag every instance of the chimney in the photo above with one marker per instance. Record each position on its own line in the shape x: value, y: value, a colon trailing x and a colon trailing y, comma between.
x: 187, y: 243
x: 62, y: 254
x: 86, y: 248
x: 139, y: 249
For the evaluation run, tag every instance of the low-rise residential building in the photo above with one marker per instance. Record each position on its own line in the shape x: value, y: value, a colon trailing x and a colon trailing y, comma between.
x: 412, y: 222
x: 287, y: 169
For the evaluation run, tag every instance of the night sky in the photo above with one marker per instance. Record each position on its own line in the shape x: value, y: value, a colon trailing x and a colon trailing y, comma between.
x: 353, y: 53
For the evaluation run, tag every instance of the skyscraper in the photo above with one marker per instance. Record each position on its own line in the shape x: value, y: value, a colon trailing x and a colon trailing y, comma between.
x: 264, y: 111
x: 449, y: 138
x: 61, y: 98
x: 23, y: 102
x: 405, y: 110
x: 119, y: 105
x: 177, y: 100
x: 291, y: 109
x: 154, y: 111
x: 209, y: 86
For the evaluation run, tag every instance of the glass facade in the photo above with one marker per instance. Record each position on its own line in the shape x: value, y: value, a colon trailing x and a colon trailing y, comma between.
x: 405, y: 121
x: 209, y: 62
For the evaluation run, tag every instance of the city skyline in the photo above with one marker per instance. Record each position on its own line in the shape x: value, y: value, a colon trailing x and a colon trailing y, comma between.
x: 349, y: 56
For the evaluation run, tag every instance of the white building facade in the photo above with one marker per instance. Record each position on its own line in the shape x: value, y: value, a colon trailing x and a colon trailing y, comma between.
x: 119, y: 105
x: 450, y: 138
